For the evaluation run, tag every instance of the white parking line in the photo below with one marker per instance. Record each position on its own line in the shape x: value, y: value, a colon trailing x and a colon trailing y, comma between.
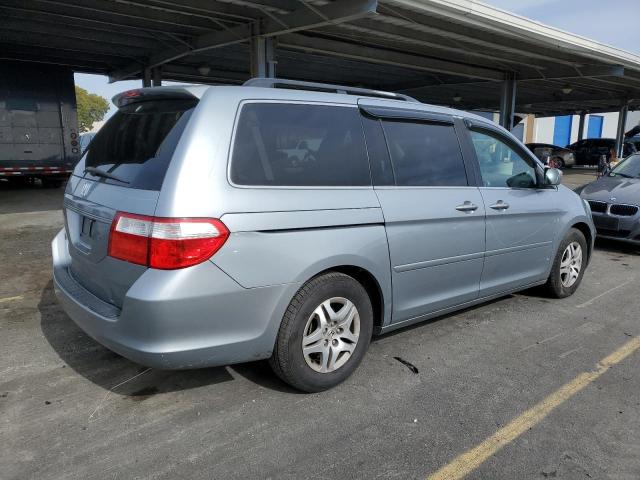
x: 112, y: 389
x: 603, y: 294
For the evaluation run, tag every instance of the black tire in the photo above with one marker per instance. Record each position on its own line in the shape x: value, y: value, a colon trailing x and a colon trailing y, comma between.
x: 554, y: 285
x: 51, y: 182
x: 559, y: 162
x: 288, y: 361
x: 19, y: 181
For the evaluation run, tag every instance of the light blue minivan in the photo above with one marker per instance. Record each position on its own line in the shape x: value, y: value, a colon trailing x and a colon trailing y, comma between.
x: 291, y: 221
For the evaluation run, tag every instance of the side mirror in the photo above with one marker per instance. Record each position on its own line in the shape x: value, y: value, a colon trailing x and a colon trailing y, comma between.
x: 552, y: 176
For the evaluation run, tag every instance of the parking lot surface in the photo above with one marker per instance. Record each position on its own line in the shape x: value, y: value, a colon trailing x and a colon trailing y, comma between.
x: 423, y: 396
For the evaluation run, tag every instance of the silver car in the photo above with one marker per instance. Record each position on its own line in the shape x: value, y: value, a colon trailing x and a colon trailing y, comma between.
x: 615, y: 201
x: 195, y: 235
x: 553, y: 155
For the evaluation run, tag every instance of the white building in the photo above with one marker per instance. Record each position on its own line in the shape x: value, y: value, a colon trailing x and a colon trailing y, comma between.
x: 564, y: 130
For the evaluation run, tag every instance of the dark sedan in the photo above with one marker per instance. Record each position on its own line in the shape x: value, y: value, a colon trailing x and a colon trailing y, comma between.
x: 615, y: 201
x: 589, y: 150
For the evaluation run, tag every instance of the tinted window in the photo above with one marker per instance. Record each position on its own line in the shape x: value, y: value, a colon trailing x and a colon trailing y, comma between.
x: 500, y: 165
x: 299, y: 145
x: 425, y: 154
x: 137, y: 143
x: 628, y: 148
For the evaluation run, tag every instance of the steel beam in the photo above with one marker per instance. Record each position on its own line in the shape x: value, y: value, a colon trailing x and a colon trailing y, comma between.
x: 301, y: 19
x: 156, y: 76
x: 375, y: 30
x: 107, y: 17
x: 262, y: 57
x: 190, y: 72
x: 583, y: 117
x: 622, y: 120
x: 508, y: 101
x: 492, y: 37
x: 386, y: 57
x: 146, y: 78
x: 57, y: 30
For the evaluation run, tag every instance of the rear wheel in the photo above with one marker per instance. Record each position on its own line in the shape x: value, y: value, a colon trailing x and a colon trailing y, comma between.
x: 568, y: 267
x: 324, y: 334
x: 20, y: 181
x: 559, y: 162
x: 52, y: 182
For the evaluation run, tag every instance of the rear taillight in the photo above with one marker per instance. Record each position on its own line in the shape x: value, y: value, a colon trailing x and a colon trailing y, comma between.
x: 165, y: 243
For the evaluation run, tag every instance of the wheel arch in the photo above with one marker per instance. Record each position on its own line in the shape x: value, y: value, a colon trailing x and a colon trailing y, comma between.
x: 370, y: 284
x: 588, y: 235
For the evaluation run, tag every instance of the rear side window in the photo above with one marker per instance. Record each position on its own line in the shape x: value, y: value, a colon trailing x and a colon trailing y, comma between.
x: 425, y: 154
x: 137, y: 143
x: 299, y: 145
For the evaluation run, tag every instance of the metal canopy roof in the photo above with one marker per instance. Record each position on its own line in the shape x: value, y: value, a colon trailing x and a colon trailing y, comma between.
x: 451, y: 52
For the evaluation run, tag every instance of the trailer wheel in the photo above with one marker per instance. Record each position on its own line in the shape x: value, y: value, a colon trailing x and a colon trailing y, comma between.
x: 51, y: 182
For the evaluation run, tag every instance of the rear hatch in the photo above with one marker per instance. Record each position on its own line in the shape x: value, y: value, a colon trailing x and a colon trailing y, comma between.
x: 122, y: 171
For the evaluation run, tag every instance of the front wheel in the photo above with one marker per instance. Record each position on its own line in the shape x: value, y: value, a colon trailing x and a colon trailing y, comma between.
x: 569, y: 265
x: 324, y: 334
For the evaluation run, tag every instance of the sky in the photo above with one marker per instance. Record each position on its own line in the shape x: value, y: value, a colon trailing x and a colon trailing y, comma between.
x: 612, y: 22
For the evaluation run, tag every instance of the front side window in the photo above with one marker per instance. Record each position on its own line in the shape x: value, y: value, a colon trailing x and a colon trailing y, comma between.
x: 500, y: 165
x: 425, y: 154
x: 299, y: 145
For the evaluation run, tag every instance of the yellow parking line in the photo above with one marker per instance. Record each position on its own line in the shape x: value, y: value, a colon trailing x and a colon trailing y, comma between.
x: 464, y: 464
x: 9, y: 299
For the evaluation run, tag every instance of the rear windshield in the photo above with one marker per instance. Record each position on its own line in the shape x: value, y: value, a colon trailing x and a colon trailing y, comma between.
x: 137, y: 143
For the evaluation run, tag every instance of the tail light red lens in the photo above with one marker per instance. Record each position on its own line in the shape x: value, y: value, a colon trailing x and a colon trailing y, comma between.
x: 165, y: 243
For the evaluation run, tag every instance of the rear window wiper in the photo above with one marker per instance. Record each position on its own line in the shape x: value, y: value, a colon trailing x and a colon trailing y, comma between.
x: 101, y: 173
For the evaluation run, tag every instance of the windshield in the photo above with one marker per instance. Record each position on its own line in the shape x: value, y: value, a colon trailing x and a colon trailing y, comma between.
x: 137, y: 143
x: 630, y: 167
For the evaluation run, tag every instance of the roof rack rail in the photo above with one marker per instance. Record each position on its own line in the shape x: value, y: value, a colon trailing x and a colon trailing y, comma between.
x: 324, y: 87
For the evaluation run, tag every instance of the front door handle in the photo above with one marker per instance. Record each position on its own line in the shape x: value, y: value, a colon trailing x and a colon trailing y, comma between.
x: 467, y: 207
x: 500, y: 205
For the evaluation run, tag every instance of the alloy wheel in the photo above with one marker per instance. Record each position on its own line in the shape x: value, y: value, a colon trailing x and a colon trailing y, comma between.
x: 571, y: 264
x: 331, y: 334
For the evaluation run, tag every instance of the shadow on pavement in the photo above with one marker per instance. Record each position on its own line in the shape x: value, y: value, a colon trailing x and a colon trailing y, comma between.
x: 616, y: 247
x: 106, y: 368
x: 24, y: 196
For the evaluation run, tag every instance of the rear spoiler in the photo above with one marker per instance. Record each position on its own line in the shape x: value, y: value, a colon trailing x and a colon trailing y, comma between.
x: 145, y: 94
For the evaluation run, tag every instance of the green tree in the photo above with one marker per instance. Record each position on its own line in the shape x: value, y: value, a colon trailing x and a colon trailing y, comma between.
x: 91, y: 108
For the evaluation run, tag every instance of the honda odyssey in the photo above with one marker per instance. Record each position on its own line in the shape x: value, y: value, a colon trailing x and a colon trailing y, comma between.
x: 291, y: 221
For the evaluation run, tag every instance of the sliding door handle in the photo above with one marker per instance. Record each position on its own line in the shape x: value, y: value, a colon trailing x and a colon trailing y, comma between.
x: 467, y: 207
x: 500, y: 205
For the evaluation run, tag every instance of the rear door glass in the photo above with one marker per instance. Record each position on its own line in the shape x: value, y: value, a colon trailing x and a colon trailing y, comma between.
x: 425, y: 154
x: 137, y: 143
x: 299, y: 145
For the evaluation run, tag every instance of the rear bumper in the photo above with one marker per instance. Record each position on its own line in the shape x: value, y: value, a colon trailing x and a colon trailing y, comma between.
x: 195, y: 317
